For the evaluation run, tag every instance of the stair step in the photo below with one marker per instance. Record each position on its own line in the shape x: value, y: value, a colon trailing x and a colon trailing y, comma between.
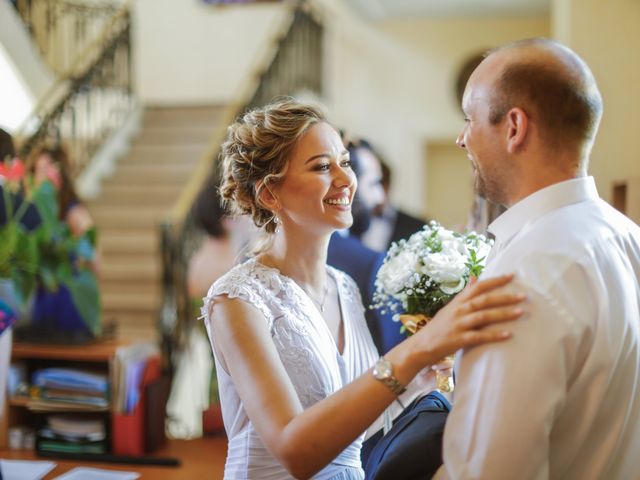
x: 158, y: 177
x: 114, y: 193
x: 135, y: 270
x: 148, y: 216
x: 150, y: 171
x: 117, y: 242
x: 182, y: 116
x: 163, y: 135
x: 176, y: 151
x: 152, y: 287
x: 130, y: 301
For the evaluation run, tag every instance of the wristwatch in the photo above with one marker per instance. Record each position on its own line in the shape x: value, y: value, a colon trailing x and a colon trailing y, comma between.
x: 383, y: 371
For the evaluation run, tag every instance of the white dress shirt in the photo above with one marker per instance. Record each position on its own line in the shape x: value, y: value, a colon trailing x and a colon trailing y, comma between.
x: 561, y: 399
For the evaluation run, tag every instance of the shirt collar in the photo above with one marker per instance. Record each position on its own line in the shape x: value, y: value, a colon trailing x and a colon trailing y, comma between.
x: 539, y: 203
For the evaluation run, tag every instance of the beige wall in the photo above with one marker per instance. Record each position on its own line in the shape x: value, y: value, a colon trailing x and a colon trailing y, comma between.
x: 393, y: 83
x: 607, y: 36
x: 187, y: 52
x: 449, y: 185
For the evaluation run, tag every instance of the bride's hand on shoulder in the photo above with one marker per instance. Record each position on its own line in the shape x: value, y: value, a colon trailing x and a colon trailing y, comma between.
x: 461, y: 322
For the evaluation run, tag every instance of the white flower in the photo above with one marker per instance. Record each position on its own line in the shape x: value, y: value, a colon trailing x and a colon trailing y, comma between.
x: 395, y: 274
x: 421, y: 274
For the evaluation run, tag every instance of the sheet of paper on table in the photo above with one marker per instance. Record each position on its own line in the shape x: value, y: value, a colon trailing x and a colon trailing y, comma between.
x: 86, y: 473
x: 24, y: 469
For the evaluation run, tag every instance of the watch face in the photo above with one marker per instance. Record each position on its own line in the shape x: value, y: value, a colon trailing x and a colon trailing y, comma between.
x: 383, y: 369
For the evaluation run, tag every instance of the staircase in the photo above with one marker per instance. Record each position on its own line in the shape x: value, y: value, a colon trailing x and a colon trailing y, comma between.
x: 134, y: 201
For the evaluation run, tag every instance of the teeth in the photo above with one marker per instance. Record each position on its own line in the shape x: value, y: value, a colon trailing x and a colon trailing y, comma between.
x: 338, y: 201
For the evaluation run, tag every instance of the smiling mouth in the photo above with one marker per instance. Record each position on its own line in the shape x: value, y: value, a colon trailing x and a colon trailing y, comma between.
x: 344, y: 201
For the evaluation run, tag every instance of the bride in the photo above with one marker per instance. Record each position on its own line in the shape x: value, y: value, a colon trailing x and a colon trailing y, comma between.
x: 300, y: 381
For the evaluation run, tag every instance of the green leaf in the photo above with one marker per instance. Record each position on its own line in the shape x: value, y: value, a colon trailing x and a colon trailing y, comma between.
x: 8, y: 239
x: 24, y: 283
x: 85, y: 294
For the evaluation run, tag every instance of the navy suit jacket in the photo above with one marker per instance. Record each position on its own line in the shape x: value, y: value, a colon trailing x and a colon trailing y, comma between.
x: 361, y: 263
x: 412, y: 449
x: 405, y: 226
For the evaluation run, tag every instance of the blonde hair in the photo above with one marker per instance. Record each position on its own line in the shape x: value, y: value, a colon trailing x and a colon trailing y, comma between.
x: 256, y: 152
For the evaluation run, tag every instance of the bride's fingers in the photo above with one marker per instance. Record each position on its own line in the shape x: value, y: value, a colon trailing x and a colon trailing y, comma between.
x: 490, y: 300
x: 490, y: 316
x: 484, y: 286
x: 472, y: 338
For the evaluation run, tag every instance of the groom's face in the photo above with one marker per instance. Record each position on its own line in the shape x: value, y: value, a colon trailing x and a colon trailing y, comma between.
x: 482, y: 140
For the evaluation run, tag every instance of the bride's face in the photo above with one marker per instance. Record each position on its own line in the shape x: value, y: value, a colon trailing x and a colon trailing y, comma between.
x: 318, y: 187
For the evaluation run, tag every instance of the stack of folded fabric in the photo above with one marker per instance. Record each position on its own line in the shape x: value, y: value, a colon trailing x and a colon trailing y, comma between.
x: 77, y: 434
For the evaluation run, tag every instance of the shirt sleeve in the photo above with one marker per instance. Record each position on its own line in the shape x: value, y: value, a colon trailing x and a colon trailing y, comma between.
x: 507, y: 395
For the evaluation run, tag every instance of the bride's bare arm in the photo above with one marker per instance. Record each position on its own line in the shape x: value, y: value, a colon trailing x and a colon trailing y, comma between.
x: 304, y: 441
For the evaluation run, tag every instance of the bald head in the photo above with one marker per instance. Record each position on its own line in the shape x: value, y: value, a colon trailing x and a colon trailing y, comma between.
x: 552, y: 84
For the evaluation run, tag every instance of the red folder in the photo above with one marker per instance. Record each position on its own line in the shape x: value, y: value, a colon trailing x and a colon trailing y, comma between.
x: 128, y: 430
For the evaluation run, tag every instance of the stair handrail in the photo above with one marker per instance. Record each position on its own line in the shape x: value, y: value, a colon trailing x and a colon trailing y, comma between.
x: 178, y: 229
x: 60, y: 28
x: 81, y: 77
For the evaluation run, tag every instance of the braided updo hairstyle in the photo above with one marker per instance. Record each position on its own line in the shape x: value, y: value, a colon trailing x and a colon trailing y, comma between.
x: 256, y: 151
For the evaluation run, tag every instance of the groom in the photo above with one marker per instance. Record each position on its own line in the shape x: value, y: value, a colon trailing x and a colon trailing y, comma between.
x: 560, y: 400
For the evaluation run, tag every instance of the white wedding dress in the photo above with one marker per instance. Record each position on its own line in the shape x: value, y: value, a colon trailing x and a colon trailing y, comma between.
x: 307, y: 351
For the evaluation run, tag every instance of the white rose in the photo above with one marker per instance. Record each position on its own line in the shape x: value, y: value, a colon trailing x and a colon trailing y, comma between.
x: 446, y: 267
x: 396, y: 272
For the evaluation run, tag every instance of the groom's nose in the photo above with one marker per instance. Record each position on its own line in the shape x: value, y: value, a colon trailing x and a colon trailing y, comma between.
x: 460, y: 140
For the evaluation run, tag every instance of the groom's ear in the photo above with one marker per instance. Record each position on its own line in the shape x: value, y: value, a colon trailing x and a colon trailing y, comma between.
x: 517, y: 123
x: 265, y: 196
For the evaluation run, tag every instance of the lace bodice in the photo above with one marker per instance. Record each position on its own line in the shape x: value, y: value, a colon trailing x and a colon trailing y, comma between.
x: 308, y: 353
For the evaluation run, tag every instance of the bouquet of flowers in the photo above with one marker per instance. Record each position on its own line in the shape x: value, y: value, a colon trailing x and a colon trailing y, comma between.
x: 422, y: 274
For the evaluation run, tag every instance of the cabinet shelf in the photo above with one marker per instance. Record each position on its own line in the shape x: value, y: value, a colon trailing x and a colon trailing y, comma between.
x: 97, y: 356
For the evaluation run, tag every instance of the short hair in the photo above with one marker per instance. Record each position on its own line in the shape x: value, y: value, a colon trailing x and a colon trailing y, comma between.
x: 7, y: 149
x: 566, y: 100
x: 256, y: 153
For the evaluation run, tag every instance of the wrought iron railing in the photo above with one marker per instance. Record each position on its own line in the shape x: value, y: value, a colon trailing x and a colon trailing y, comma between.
x: 91, y: 101
x: 62, y: 28
x: 293, y: 66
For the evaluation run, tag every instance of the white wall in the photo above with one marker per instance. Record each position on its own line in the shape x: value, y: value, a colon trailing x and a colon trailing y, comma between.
x: 187, y: 52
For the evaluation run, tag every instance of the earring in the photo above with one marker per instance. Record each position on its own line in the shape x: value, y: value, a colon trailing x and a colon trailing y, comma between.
x: 276, y: 222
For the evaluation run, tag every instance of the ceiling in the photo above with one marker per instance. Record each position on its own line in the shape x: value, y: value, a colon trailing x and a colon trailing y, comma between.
x: 383, y: 9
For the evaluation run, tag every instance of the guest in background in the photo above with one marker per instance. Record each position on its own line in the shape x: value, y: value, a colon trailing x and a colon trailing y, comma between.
x: 387, y: 223
x: 56, y: 309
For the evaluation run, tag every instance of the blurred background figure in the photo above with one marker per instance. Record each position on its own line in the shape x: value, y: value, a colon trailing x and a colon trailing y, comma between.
x: 193, y: 408
x: 348, y: 253
x: 386, y: 224
x: 54, y: 164
x: 55, y: 310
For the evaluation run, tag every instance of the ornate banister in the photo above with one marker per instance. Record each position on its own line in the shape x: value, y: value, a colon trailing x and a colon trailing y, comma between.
x: 91, y: 100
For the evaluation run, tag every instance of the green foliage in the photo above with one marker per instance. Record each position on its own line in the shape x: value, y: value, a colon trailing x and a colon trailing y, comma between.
x: 50, y: 256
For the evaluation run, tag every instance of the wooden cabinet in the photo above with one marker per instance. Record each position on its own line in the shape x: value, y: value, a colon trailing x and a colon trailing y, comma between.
x: 96, y: 357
